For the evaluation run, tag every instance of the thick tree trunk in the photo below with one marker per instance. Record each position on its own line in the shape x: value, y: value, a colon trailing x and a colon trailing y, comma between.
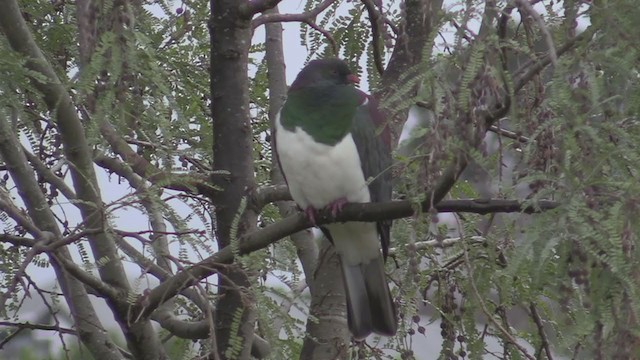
x: 416, y: 35
x: 327, y: 332
x: 233, y: 152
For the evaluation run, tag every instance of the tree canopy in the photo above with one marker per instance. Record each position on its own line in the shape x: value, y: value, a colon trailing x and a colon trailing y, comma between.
x: 138, y: 182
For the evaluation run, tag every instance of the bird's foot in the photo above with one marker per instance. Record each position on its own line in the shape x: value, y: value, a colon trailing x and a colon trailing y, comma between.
x: 337, y: 205
x: 310, y: 212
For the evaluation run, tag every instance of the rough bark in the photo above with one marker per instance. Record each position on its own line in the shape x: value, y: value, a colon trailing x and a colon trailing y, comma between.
x: 230, y: 35
x: 327, y: 331
x: 413, y: 44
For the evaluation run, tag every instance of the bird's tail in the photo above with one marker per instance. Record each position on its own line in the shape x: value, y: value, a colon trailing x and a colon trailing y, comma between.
x: 369, y: 304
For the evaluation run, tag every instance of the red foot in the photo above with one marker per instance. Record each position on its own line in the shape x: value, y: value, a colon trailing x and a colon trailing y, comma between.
x: 337, y: 205
x: 310, y: 212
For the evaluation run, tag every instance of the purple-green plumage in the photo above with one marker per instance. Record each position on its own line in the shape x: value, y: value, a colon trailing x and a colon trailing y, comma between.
x: 333, y: 147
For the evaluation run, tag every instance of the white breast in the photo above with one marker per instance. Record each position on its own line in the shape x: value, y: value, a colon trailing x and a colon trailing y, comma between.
x: 319, y: 174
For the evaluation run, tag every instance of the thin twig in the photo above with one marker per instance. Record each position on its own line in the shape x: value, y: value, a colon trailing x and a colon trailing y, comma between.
x: 50, y: 310
x: 543, y: 334
x: 526, y: 7
x: 509, y: 134
x: 302, y: 17
x: 48, y: 175
x: 326, y: 34
x: 486, y: 311
x: 444, y: 243
x: 19, y: 274
x: 287, y: 303
x: 9, y: 208
x: 30, y: 326
x: 532, y: 68
x: 374, y: 17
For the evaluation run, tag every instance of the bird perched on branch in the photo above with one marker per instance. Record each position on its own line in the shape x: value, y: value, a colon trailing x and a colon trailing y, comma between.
x: 333, y: 148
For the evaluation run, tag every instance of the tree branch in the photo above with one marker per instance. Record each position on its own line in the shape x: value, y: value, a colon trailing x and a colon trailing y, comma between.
x: 49, y: 176
x: 269, y: 194
x: 508, y: 337
x: 532, y: 68
x: 352, y: 212
x: 16, y: 240
x: 252, y: 7
x: 8, y: 207
x: 30, y: 326
x: 443, y: 243
x: 509, y: 134
x: 543, y: 335
x: 101, y: 288
x: 305, y: 17
x: 374, y: 18
x: 526, y: 7
x: 190, y: 183
x: 41, y: 221
x: 75, y: 146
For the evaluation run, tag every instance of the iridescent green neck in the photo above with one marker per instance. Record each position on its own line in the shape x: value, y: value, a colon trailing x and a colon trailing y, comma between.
x: 324, y: 112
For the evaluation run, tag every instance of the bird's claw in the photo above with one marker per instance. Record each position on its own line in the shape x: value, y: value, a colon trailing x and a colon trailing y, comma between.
x: 336, y: 206
x: 310, y: 212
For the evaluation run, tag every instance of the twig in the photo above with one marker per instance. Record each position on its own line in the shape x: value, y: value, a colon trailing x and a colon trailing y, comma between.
x: 190, y: 183
x: 252, y: 7
x: 486, y: 311
x: 50, y: 309
x: 526, y: 7
x: 543, y: 334
x: 48, y: 175
x: 444, y: 243
x: 29, y: 326
x: 18, y: 216
x: 374, y: 17
x: 533, y: 68
x: 18, y: 276
x: 302, y: 17
x: 327, y: 35
x: 509, y: 134
x: 69, y: 239
x: 142, y: 143
x: 463, y: 32
x: 493, y: 128
x: 307, y: 17
x: 287, y: 303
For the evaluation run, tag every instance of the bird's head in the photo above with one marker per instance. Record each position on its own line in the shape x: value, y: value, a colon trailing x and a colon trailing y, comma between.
x: 324, y: 72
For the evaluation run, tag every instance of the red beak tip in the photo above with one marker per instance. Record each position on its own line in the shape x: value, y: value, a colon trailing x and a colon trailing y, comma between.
x: 354, y: 79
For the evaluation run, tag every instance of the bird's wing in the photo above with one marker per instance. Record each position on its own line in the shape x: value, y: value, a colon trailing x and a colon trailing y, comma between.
x: 371, y: 135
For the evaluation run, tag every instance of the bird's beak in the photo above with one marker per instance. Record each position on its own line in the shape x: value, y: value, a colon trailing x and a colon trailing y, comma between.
x: 353, y: 79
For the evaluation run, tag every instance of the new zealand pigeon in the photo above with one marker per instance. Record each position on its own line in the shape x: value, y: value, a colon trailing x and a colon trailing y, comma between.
x: 331, y: 152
